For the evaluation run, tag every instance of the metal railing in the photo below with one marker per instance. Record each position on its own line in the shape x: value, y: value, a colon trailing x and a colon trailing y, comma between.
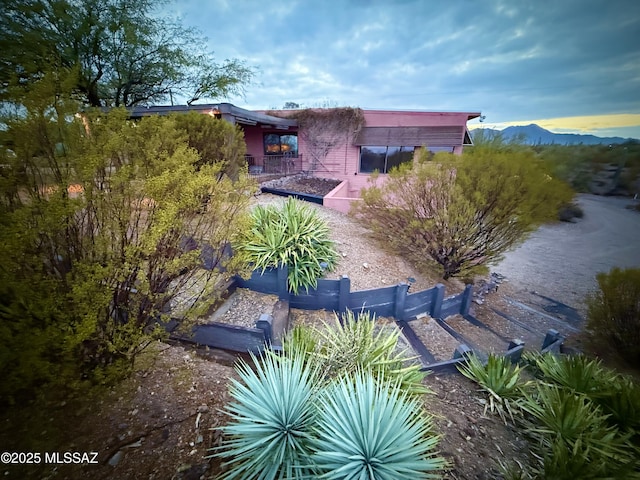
x: 274, y: 164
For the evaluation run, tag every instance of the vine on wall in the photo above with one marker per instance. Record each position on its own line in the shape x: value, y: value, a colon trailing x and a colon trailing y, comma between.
x: 323, y: 129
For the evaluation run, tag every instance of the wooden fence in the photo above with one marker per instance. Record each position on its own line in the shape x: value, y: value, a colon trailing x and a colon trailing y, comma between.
x: 336, y: 295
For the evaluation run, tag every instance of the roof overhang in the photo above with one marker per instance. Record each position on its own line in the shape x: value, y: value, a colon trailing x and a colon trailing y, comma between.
x: 225, y: 111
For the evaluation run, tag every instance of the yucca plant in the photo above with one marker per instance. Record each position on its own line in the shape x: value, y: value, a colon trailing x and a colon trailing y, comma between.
x: 621, y: 401
x: 500, y: 378
x: 293, y: 235
x: 576, y: 372
x: 367, y: 429
x: 352, y: 344
x: 272, y: 420
x: 571, y: 433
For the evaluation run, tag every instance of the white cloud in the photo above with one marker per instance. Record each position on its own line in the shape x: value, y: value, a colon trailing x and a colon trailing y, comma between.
x: 512, y: 60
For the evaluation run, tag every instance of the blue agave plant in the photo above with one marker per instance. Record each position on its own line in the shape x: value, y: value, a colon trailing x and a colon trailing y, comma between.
x: 367, y: 429
x: 272, y: 420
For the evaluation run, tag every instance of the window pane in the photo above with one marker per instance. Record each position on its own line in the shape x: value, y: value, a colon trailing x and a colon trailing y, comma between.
x: 372, y: 158
x: 289, y: 145
x: 398, y: 156
x: 271, y: 143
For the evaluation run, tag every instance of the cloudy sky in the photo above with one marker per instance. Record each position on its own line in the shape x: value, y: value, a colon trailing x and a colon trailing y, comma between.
x: 568, y: 65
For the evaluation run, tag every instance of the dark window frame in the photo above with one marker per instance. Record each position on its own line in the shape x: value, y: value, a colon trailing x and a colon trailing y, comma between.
x: 376, y: 151
x: 280, y: 150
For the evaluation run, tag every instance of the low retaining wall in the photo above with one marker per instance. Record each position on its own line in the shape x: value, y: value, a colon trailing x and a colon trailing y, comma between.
x: 336, y: 295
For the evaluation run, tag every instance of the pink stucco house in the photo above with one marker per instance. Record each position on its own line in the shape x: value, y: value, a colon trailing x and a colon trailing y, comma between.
x: 385, y: 138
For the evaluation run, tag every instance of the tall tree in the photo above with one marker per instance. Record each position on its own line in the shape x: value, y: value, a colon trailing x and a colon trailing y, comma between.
x: 115, y: 52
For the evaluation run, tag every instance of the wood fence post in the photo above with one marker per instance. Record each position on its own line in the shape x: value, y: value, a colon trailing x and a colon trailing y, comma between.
x: 401, y: 296
x: 436, y: 304
x: 465, y: 303
x: 343, y: 295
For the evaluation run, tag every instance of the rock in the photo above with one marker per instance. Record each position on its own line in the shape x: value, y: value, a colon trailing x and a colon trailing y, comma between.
x: 203, y: 409
x: 115, y: 459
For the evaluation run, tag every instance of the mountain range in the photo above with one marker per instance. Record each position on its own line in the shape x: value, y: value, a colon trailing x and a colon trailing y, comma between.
x: 536, y: 135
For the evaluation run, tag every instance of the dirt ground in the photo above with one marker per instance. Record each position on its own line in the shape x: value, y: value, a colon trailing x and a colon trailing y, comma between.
x: 162, y: 422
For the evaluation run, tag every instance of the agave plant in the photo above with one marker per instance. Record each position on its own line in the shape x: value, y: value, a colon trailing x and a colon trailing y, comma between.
x: 352, y: 344
x: 367, y: 429
x: 500, y: 378
x: 293, y: 235
x: 272, y: 420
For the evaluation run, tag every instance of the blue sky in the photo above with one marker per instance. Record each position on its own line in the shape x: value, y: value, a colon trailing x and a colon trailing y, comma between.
x: 569, y: 65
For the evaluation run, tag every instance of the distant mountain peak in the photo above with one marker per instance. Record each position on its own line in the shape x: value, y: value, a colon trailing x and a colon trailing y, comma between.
x: 534, y: 134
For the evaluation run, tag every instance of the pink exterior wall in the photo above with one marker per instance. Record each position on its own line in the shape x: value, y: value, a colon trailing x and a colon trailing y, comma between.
x: 342, y: 162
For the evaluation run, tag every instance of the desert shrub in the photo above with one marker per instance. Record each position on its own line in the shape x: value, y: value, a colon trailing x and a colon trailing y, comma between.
x: 372, y: 430
x: 572, y: 438
x: 613, y: 318
x: 101, y: 234
x: 273, y: 418
x: 462, y: 212
x: 351, y: 344
x: 216, y: 141
x: 293, y: 235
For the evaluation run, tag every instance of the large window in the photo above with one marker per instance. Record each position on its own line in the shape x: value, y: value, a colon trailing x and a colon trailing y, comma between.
x: 383, y: 159
x: 277, y: 144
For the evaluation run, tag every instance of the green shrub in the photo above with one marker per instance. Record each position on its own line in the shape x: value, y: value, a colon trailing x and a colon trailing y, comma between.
x: 293, y: 235
x: 461, y: 213
x: 613, y: 318
x: 352, y: 345
x: 575, y: 372
x: 572, y: 437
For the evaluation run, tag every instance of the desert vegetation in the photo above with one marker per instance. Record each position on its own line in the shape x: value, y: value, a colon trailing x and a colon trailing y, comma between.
x: 338, y: 403
x: 613, y: 317
x: 293, y: 235
x: 581, y: 418
x: 104, y: 227
x: 462, y: 212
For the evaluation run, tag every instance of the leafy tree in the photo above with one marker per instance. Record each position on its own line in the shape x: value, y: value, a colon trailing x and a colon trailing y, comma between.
x: 114, y: 52
x: 103, y: 234
x: 462, y: 212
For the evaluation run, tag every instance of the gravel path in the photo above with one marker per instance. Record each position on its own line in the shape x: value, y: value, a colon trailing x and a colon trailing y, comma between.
x: 561, y: 260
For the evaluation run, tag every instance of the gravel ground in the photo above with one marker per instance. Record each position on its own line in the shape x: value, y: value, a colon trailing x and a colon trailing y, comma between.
x: 360, y: 257
x: 561, y: 260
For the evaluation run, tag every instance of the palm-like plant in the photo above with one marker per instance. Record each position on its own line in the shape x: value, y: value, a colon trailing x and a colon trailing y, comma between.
x: 293, y: 235
x: 500, y: 378
x: 369, y: 429
x: 272, y: 419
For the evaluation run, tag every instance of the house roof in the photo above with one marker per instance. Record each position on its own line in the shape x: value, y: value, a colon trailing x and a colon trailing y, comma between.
x: 225, y: 111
